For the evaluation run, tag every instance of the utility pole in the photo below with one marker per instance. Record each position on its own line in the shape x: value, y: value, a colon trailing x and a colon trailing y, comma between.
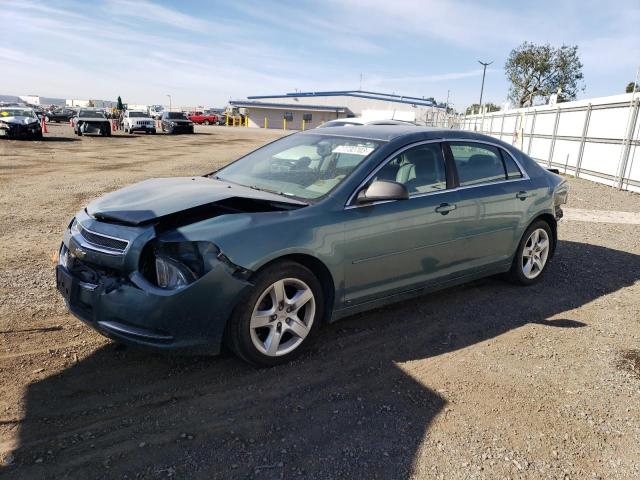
x: 484, y: 71
x: 169, y: 101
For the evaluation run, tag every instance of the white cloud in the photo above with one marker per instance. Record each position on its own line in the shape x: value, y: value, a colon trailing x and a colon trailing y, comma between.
x: 151, y: 12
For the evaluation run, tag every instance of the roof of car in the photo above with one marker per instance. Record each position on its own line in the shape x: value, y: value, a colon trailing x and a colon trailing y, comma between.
x: 384, y: 133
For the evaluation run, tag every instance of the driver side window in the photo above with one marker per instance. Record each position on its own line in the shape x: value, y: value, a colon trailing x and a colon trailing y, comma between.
x: 420, y: 169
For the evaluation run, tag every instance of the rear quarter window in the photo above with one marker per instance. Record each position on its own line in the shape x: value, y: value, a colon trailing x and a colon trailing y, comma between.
x: 477, y: 163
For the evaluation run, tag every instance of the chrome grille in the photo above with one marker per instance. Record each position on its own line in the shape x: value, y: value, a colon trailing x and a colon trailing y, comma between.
x: 103, y: 241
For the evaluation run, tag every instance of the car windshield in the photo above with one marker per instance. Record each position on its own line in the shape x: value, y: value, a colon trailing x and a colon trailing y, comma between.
x: 16, y: 112
x: 176, y: 115
x: 137, y: 114
x: 303, y: 165
x: 91, y: 113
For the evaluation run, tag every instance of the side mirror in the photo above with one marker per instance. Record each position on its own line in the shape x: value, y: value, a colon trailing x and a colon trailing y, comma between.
x: 382, y: 190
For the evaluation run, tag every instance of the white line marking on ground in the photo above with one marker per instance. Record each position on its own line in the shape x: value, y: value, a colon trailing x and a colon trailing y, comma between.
x: 601, y: 216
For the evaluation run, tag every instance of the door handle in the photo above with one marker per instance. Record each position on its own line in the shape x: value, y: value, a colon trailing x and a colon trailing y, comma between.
x: 522, y: 195
x: 445, y: 208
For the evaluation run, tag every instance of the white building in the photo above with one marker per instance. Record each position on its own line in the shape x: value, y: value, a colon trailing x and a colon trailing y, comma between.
x: 315, y: 108
x: 43, y: 101
x: 74, y: 102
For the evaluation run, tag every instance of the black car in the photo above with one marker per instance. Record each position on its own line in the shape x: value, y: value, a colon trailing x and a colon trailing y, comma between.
x: 60, y: 115
x: 176, y: 122
x: 90, y: 120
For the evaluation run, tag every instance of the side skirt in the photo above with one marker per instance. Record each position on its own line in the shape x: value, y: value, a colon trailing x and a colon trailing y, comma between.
x: 423, y: 290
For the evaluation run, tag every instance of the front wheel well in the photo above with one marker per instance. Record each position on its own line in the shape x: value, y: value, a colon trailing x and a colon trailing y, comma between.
x: 320, y: 270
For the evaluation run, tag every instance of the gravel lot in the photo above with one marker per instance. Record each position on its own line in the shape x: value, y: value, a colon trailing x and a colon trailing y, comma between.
x: 487, y: 380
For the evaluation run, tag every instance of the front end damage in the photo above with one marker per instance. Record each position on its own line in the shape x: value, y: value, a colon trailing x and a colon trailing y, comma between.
x: 131, y: 285
x: 96, y: 127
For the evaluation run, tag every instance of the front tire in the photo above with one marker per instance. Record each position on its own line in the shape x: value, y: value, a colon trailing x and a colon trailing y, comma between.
x: 533, y: 255
x: 279, y: 318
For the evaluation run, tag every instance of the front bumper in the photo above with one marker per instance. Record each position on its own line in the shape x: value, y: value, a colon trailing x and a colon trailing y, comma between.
x: 89, y: 127
x: 126, y: 307
x: 14, y: 130
x: 181, y: 129
x: 142, y: 128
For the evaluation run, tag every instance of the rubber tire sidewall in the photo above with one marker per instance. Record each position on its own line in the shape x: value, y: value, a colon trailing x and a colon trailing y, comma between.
x: 238, y: 336
x: 516, y: 275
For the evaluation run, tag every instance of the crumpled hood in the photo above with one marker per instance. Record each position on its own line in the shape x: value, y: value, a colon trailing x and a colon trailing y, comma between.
x: 158, y: 197
x: 19, y: 119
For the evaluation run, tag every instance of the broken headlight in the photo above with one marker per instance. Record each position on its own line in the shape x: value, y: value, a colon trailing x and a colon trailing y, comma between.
x: 172, y: 274
x: 173, y: 265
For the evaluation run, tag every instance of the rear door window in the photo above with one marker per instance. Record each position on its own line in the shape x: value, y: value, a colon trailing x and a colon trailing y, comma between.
x: 477, y: 163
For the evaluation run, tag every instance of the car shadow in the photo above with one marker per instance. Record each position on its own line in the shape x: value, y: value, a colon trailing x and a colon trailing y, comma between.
x: 347, y: 409
x: 45, y: 138
x: 48, y: 138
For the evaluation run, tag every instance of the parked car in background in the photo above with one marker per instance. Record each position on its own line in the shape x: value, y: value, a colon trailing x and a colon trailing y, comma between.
x: 91, y: 120
x: 138, y: 121
x: 156, y: 111
x: 354, y: 121
x: 19, y: 122
x: 176, y: 122
x: 59, y: 115
x: 308, y: 229
x: 203, y: 118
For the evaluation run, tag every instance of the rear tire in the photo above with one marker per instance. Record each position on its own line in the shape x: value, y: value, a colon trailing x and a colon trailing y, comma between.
x: 279, y: 317
x: 533, y: 254
x: 206, y: 122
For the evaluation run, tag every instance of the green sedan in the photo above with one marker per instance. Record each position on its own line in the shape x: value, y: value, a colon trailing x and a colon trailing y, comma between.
x: 306, y: 230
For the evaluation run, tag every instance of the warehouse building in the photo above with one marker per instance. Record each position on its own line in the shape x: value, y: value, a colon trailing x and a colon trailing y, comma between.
x: 301, y: 110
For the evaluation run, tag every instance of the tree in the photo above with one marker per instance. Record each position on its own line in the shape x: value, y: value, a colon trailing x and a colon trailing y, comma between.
x: 120, y: 106
x: 539, y: 70
x: 630, y: 86
x: 475, y: 108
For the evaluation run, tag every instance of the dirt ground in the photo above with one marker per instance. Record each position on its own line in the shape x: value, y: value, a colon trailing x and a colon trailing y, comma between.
x: 487, y: 380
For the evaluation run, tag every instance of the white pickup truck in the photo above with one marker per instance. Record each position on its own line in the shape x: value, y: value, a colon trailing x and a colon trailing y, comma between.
x: 138, y: 121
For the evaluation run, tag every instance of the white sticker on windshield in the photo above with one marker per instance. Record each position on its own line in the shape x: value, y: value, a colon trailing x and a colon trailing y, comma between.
x: 353, y: 150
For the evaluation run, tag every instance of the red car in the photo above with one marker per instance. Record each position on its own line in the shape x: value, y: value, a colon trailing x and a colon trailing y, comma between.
x: 203, y: 118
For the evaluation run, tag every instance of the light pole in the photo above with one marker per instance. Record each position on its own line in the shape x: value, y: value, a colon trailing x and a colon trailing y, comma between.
x: 484, y: 71
x: 170, y: 100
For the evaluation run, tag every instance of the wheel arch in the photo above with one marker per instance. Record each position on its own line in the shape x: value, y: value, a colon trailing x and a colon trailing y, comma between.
x: 553, y: 224
x: 319, y: 269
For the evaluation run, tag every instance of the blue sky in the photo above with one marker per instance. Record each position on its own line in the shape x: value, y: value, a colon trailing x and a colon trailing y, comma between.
x: 204, y: 53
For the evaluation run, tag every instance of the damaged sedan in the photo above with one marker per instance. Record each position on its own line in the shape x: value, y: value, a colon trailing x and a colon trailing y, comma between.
x: 19, y: 122
x: 308, y: 229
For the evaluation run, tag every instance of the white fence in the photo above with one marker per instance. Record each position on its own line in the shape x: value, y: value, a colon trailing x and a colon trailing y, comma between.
x: 596, y: 139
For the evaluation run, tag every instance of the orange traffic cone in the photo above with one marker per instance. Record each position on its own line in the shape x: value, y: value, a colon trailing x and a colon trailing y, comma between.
x: 43, y: 124
x: 114, y: 125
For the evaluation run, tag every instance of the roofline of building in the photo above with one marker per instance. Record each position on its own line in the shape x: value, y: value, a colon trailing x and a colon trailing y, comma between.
x: 355, y: 93
x: 323, y: 108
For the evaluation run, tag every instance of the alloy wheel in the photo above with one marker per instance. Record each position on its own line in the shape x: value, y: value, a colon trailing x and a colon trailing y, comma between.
x: 282, y: 317
x: 535, y: 253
